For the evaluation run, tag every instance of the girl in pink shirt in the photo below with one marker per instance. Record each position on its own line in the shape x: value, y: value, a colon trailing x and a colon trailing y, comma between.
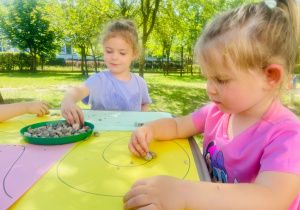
x: 251, y: 142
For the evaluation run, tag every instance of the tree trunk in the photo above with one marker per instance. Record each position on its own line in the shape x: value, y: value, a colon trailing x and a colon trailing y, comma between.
x: 181, y: 61
x: 1, y: 99
x: 82, y: 59
x: 162, y: 60
x: 95, y: 59
x: 34, y: 63
x: 142, y: 61
x: 85, y: 62
x: 168, y: 59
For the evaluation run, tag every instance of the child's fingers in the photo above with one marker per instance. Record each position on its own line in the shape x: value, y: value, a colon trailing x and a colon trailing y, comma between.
x: 137, y: 145
x: 42, y: 111
x: 69, y: 117
x: 135, y: 197
x: 139, y: 201
x: 132, y: 149
x: 81, y: 117
x: 47, y: 104
x: 144, y: 144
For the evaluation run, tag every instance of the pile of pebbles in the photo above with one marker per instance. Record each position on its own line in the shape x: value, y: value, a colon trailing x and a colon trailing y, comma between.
x: 57, y: 130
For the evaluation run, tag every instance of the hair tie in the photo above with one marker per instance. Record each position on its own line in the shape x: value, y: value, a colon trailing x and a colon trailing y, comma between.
x: 271, y: 3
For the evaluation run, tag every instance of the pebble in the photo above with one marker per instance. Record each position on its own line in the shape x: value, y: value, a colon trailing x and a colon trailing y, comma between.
x: 150, y: 155
x: 185, y: 161
x: 96, y: 134
x: 137, y: 124
x: 53, y: 114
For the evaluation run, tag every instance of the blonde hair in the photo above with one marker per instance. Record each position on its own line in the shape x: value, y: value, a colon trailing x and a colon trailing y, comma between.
x: 251, y: 37
x: 125, y: 28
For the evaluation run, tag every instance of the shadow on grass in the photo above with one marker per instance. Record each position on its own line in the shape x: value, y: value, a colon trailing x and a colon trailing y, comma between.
x: 176, y: 100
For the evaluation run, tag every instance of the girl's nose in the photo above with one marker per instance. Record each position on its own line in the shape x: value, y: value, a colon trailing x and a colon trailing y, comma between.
x: 114, y: 56
x: 210, y: 88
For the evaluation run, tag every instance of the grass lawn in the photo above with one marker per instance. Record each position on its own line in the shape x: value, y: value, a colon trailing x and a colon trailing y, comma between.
x: 174, y: 94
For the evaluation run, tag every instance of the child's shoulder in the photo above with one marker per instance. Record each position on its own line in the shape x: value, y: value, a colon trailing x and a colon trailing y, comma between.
x: 279, y: 115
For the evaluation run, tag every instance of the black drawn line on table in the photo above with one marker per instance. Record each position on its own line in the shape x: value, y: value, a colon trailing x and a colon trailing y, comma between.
x: 3, y: 184
x: 100, y: 194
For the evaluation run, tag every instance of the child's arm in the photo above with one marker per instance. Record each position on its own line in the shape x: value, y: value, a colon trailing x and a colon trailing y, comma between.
x: 8, y: 111
x: 271, y: 190
x: 69, y: 108
x: 163, y: 129
x: 145, y: 107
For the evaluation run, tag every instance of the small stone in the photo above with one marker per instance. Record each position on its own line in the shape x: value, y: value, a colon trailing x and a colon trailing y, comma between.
x: 54, y: 114
x: 185, y: 161
x: 96, y: 134
x: 131, y: 162
x: 75, y: 126
x: 148, y: 156
x: 118, y: 167
x: 87, y: 138
x: 100, y: 119
x: 154, y: 155
x: 137, y: 124
x: 27, y: 134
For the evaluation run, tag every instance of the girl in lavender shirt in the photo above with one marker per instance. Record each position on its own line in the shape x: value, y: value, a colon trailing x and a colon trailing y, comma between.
x: 115, y: 88
x: 251, y: 141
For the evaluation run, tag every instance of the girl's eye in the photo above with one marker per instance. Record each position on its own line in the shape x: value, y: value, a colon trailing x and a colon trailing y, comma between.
x: 123, y: 53
x: 222, y: 81
x: 109, y: 51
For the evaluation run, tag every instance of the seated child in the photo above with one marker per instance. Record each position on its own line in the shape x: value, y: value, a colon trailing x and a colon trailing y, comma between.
x: 116, y: 88
x: 251, y: 142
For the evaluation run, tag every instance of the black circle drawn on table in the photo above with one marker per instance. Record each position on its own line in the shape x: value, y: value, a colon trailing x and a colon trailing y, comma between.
x: 109, y: 195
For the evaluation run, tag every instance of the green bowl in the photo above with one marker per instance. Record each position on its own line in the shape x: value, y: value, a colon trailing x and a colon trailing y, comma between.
x: 55, y: 140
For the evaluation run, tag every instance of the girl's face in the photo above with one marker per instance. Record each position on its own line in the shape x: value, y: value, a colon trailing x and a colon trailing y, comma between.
x: 118, y: 55
x: 242, y: 93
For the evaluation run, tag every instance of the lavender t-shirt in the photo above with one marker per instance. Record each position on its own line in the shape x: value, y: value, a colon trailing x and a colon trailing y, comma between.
x: 110, y: 93
x: 272, y: 144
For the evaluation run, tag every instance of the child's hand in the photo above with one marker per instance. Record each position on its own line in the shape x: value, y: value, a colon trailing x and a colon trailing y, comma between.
x: 38, y: 107
x: 72, y: 113
x: 159, y: 192
x: 140, y: 140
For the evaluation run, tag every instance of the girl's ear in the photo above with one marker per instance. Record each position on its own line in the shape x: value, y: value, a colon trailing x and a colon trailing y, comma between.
x: 273, y: 76
x: 134, y: 55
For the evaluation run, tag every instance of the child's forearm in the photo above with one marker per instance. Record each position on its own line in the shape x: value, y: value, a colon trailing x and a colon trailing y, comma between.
x: 72, y: 95
x: 206, y: 195
x: 8, y: 111
x: 163, y: 129
x: 76, y: 94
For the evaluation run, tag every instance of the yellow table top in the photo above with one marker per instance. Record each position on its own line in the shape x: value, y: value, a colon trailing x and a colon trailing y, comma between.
x: 90, y: 174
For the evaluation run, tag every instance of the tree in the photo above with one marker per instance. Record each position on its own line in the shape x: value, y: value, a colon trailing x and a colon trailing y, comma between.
x: 148, y: 10
x: 83, y: 21
x: 26, y: 24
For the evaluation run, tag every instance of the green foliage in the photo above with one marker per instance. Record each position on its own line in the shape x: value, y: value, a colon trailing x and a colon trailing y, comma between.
x: 15, y: 61
x: 25, y: 23
x: 56, y: 62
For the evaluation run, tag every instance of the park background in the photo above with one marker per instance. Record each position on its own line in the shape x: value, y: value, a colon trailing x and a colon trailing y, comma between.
x: 49, y: 46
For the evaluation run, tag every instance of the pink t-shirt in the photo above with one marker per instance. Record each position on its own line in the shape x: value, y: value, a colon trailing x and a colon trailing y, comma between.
x: 272, y: 144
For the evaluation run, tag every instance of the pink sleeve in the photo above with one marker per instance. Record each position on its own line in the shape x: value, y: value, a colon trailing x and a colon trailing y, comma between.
x: 200, y: 117
x: 283, y: 152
